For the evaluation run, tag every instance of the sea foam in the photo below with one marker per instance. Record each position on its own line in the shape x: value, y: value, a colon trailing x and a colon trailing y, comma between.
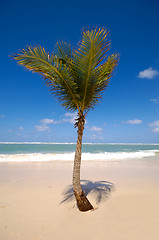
x: 45, y: 157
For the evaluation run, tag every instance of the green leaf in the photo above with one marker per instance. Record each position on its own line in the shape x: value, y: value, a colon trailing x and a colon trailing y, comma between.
x: 77, y: 77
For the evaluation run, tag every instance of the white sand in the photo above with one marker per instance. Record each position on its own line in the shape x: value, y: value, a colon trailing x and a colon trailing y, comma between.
x: 30, y: 196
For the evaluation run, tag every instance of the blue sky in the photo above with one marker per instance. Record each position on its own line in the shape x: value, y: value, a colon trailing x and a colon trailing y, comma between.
x: 129, y: 111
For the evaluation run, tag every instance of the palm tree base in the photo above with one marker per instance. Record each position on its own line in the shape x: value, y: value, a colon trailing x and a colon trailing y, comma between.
x: 83, y: 203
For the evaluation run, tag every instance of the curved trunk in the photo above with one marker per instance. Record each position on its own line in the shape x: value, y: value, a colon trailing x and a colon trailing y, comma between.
x: 82, y: 201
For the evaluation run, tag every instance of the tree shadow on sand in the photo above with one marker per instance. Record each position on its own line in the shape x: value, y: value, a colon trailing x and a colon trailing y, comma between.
x: 99, y: 190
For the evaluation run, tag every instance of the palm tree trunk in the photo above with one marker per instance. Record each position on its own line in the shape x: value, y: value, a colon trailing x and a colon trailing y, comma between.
x: 82, y: 201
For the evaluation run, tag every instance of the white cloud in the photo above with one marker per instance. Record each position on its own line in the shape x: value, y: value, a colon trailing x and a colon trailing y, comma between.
x: 10, y: 130
x: 42, y: 128
x: 21, y: 128
x: 148, y: 73
x: 155, y: 126
x: 44, y: 124
x: 95, y: 129
x: 93, y: 137
x: 155, y: 100
x: 155, y: 130
x: 2, y: 116
x: 134, y: 121
x: 70, y: 117
x: 47, y: 121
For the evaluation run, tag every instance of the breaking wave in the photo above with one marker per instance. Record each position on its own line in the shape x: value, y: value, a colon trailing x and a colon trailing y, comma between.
x: 106, y: 156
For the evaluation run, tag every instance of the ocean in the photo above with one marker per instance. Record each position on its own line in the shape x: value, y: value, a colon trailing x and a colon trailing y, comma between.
x: 41, y: 152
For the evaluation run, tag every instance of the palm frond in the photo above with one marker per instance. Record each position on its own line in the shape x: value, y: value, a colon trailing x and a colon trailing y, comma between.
x: 78, y: 77
x: 56, y: 74
x: 86, y: 64
x: 102, y: 74
x: 63, y: 51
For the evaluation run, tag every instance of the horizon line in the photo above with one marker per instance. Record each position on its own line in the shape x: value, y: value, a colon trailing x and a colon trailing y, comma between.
x: 82, y: 143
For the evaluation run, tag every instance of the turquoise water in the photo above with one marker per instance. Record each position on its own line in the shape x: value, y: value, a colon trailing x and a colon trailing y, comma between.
x: 50, y: 151
x: 67, y: 148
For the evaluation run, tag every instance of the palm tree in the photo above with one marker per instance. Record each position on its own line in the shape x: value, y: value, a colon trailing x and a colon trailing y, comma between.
x: 77, y: 78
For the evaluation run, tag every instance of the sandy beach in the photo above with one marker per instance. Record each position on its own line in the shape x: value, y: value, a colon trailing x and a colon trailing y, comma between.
x: 36, y: 201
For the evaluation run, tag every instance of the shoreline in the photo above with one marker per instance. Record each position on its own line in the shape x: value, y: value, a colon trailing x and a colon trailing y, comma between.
x: 75, y: 143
